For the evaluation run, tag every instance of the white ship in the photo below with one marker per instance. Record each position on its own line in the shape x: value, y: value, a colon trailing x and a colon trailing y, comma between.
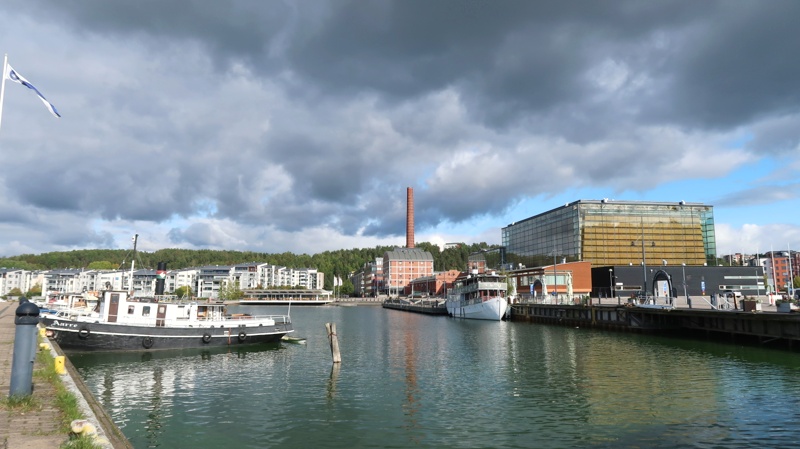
x: 478, y: 297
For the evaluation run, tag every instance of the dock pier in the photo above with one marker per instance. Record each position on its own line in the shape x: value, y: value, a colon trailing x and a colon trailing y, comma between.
x: 766, y: 327
x: 426, y: 306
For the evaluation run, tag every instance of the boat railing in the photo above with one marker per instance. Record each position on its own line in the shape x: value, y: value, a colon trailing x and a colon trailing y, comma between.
x: 183, y: 322
x: 245, y: 317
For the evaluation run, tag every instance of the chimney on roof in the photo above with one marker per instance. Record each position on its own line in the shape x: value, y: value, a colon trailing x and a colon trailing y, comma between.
x: 409, y: 217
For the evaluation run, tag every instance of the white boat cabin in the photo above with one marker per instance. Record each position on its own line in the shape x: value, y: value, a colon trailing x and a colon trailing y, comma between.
x: 118, y: 307
x: 475, y: 288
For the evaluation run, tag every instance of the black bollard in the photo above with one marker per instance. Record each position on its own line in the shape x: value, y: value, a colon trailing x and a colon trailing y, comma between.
x: 26, y: 321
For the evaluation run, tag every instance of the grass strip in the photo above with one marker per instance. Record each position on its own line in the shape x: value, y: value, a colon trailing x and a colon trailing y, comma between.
x: 65, y: 401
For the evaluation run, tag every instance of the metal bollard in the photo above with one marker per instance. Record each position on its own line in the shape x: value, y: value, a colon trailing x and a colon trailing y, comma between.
x: 26, y: 321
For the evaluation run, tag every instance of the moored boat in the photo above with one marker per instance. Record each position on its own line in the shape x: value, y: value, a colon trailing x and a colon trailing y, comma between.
x: 62, y: 304
x: 478, y: 296
x: 129, y: 323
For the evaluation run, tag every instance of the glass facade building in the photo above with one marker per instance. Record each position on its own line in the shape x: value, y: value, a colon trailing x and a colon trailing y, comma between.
x: 610, y: 232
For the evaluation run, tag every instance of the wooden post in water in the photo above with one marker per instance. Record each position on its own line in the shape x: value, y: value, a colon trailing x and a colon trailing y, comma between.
x: 334, y: 340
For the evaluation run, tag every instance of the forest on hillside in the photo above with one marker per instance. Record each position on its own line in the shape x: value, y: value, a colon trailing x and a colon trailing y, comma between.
x: 340, y: 263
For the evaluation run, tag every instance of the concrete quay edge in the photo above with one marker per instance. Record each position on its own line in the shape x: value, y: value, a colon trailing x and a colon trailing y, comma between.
x: 41, y: 428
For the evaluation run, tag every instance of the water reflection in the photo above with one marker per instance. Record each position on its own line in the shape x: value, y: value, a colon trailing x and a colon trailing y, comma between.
x: 409, y: 381
x: 335, y: 368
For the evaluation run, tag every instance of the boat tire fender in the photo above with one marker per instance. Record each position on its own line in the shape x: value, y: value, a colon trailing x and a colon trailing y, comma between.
x: 84, y: 332
x: 242, y: 336
x: 206, y: 337
x: 147, y: 342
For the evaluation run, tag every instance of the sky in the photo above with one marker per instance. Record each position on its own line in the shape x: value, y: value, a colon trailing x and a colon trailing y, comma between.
x: 284, y: 126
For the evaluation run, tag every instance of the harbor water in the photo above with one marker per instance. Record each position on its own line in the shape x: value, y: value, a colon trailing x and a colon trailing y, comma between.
x: 411, y: 381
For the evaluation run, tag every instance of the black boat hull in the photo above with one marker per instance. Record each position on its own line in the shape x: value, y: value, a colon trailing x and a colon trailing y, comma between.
x: 84, y: 336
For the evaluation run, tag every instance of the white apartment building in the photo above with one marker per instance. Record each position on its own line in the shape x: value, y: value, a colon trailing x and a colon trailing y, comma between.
x: 11, y: 278
x: 186, y: 277
x: 205, y: 282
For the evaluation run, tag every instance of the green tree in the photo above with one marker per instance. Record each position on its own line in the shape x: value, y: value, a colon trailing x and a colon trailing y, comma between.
x: 230, y: 291
x: 15, y: 292
x: 101, y: 265
x: 184, y: 292
x: 36, y: 290
x: 21, y: 264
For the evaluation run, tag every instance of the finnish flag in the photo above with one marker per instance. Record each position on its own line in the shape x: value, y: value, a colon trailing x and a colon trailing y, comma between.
x: 17, y: 78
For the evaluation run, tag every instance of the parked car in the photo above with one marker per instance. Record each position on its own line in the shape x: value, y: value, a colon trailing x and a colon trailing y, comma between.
x: 732, y: 294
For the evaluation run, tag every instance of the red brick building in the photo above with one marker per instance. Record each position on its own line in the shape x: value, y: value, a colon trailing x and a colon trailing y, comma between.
x: 567, y: 280
x: 403, y: 265
x: 435, y: 285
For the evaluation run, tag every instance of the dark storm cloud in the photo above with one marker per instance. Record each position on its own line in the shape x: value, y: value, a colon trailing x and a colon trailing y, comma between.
x: 295, y: 115
x: 736, y: 66
x: 229, y: 29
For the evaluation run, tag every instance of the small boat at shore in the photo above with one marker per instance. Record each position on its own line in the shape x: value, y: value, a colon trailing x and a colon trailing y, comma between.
x: 122, y: 321
x: 478, y: 296
x: 62, y: 305
x: 129, y: 323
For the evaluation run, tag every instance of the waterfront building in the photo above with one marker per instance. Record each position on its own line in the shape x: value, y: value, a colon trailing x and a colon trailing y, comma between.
x: 559, y: 282
x: 612, y: 232
x: 368, y: 282
x: 673, y: 280
x: 204, y: 282
x: 63, y: 281
x: 781, y: 269
x: 245, y: 275
x: 402, y: 265
x: 476, y: 263
x: 11, y: 278
x: 309, y: 278
x: 210, y: 279
x: 109, y: 280
x: 436, y: 284
x: 144, y: 282
x: 359, y: 283
x: 186, y: 277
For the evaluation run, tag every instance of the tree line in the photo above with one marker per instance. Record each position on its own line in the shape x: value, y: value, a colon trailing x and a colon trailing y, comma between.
x: 339, y: 263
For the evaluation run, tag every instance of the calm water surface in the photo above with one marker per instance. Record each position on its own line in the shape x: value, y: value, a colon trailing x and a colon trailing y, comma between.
x: 411, y: 381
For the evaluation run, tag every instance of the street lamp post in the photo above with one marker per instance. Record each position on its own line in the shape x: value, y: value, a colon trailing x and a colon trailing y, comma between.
x: 688, y: 299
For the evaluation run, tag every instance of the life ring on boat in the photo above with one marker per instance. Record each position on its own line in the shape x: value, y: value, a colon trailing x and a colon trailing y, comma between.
x: 206, y: 337
x: 242, y: 336
x: 84, y: 332
x: 147, y: 342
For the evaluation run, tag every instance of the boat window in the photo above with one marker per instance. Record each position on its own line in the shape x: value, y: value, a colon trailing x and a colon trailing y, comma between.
x: 130, y: 310
x: 146, y: 311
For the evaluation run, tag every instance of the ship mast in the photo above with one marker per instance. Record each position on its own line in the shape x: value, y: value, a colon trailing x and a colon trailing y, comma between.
x: 133, y: 264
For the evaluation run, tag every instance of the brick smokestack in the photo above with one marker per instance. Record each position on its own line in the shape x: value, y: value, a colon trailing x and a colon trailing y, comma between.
x: 409, y: 217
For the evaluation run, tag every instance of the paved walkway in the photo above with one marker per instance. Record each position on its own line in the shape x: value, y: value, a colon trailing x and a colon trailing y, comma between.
x: 35, y: 429
x: 41, y: 428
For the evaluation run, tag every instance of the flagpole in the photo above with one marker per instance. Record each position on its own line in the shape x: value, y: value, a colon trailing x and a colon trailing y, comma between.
x: 3, y: 86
